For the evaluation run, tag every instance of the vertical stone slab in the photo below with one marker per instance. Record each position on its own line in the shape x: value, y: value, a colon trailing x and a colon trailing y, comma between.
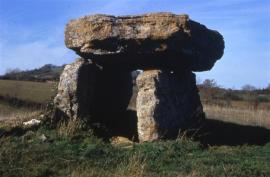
x: 166, y: 103
x: 99, y: 93
x: 76, y: 88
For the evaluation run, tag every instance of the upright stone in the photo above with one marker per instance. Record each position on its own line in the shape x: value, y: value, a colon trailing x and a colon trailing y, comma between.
x: 166, y: 103
x: 74, y: 98
x: 100, y: 94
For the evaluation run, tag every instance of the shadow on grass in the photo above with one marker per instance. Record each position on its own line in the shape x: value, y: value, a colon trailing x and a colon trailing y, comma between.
x: 125, y: 125
x: 17, y: 131
x: 210, y: 133
x: 214, y: 132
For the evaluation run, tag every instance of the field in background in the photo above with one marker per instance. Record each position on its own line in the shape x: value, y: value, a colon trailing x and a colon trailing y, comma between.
x: 13, y: 116
x: 23, y: 100
x: 242, y: 116
x: 7, y: 111
x: 37, y: 92
x: 242, y: 112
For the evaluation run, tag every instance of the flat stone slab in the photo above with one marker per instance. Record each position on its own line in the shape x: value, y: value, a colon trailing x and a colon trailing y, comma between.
x: 156, y: 40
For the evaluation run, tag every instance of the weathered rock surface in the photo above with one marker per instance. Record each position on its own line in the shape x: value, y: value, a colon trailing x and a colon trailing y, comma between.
x: 165, y: 99
x: 166, y: 103
x: 76, y: 89
x: 99, y: 94
x: 157, y: 40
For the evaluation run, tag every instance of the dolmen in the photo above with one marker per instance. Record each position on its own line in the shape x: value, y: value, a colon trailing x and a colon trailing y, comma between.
x: 165, y: 48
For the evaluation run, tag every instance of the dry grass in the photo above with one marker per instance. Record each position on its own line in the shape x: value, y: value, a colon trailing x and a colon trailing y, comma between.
x: 6, y: 110
x: 239, y: 115
x: 134, y: 167
x: 250, y: 105
x: 70, y: 127
x: 38, y: 92
x: 17, y: 119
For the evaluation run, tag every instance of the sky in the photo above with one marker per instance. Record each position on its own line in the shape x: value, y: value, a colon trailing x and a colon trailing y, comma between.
x: 32, y: 33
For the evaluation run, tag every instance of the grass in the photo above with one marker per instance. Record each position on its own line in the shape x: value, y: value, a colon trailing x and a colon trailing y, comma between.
x: 13, y: 92
x: 6, y: 109
x: 71, y: 150
x: 14, y: 116
x: 81, y: 154
x: 243, y: 116
x: 38, y: 92
x: 241, y: 112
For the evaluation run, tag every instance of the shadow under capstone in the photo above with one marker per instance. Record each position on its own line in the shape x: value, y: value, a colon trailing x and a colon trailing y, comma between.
x: 112, y: 94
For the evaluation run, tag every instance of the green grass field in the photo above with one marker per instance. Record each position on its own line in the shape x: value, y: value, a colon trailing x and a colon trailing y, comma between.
x: 70, y: 151
x: 38, y: 92
x: 83, y: 155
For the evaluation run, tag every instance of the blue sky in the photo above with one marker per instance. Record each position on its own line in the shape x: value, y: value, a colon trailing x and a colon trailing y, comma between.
x: 32, y: 32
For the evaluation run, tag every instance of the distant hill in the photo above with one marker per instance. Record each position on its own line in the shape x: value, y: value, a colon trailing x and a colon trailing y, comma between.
x: 47, y: 72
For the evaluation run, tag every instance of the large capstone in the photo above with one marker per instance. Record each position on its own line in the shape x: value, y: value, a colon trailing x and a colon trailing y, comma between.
x: 157, y: 40
x: 166, y: 104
